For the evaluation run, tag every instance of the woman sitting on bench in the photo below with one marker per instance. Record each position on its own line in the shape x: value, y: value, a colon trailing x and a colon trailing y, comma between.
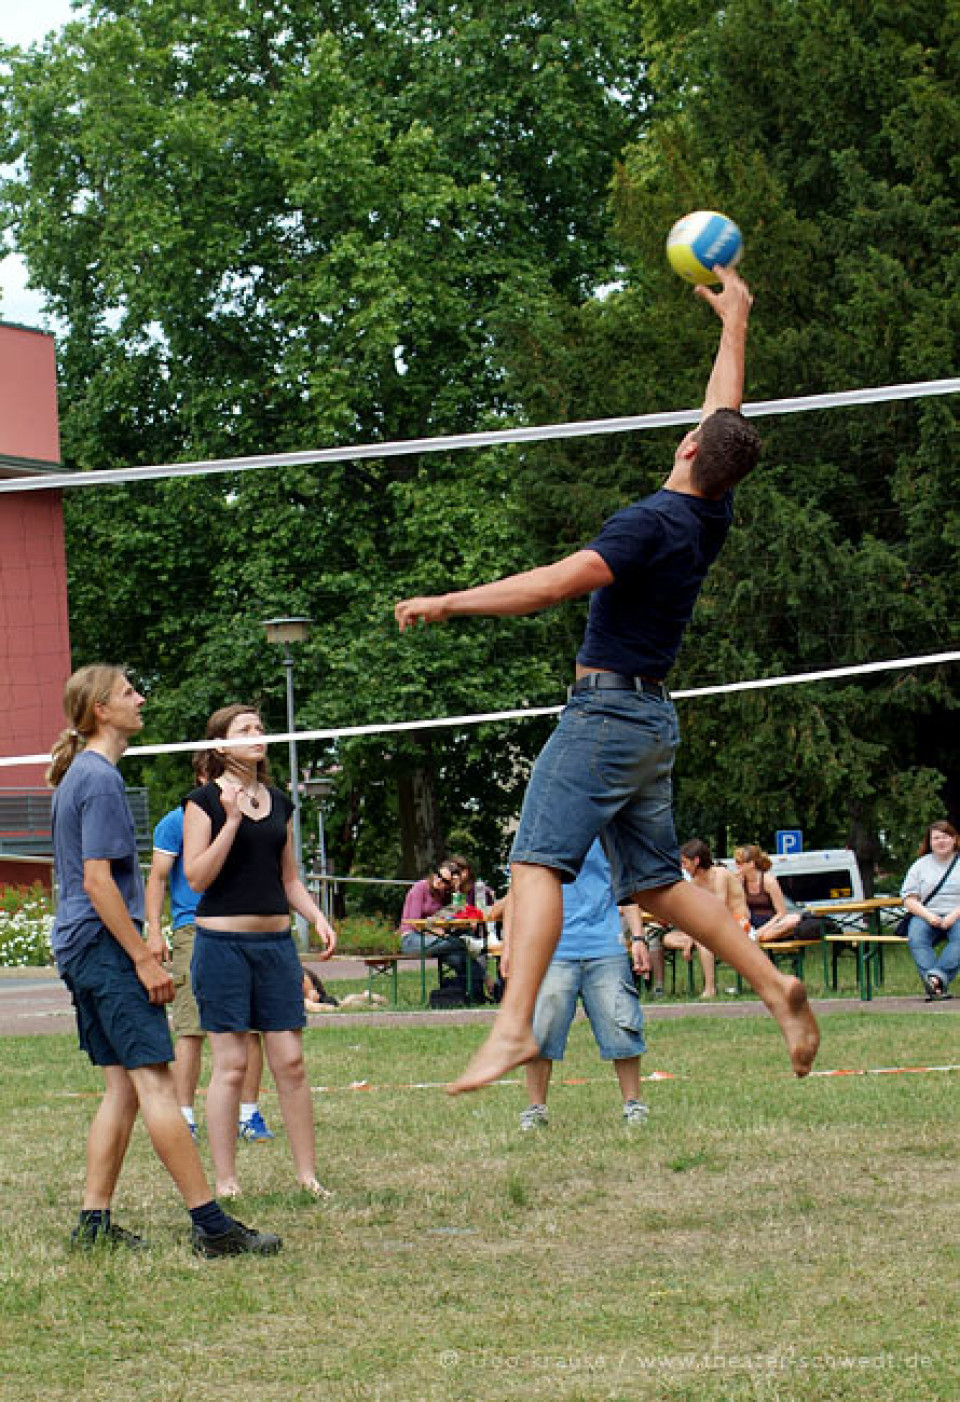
x: 769, y: 918
x: 427, y: 897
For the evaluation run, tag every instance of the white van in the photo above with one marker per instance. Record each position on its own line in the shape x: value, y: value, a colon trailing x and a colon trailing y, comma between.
x: 817, y: 877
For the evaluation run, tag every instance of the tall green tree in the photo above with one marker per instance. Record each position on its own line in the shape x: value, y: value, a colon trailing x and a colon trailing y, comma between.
x: 304, y: 225
x: 827, y: 130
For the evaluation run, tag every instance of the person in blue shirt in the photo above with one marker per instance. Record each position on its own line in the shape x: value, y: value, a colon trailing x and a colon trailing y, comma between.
x: 591, y: 965
x: 167, y: 867
x: 119, y: 988
x: 608, y: 765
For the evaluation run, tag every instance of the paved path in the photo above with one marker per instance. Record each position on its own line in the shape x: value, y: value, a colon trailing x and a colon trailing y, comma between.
x: 35, y: 1001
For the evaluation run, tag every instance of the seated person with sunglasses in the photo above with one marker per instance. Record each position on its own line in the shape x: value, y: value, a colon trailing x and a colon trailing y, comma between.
x: 428, y: 897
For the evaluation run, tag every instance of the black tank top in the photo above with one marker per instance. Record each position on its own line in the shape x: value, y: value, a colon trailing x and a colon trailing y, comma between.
x: 759, y: 903
x: 249, y: 882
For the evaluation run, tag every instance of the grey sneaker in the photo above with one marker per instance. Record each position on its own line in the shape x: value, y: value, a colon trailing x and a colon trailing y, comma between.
x: 534, y: 1117
x: 634, y: 1113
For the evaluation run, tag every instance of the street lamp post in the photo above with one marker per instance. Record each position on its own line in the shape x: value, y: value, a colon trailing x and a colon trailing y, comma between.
x: 320, y: 786
x: 282, y: 632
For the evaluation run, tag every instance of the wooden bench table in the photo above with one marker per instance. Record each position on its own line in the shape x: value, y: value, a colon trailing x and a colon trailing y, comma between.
x: 794, y: 950
x: 377, y: 964
x: 865, y: 933
x: 440, y: 925
x: 869, y: 951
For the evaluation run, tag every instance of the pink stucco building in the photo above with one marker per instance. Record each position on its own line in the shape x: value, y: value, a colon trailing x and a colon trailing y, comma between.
x: 34, y: 637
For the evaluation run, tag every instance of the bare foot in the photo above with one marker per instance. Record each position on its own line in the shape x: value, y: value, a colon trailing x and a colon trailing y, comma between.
x: 798, y: 1025
x: 315, y: 1188
x: 500, y: 1053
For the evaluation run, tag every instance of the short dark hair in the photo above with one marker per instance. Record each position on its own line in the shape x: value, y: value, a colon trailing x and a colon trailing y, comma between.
x: 697, y: 851
x: 728, y: 450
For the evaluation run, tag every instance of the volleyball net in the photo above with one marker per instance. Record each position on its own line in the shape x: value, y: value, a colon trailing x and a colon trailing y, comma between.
x: 458, y: 442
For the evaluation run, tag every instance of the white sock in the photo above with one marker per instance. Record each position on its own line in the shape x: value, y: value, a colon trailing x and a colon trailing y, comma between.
x: 187, y: 1113
x: 247, y: 1112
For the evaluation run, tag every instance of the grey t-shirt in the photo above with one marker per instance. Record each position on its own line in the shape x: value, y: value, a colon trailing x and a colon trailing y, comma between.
x: 91, y: 821
x: 922, y: 878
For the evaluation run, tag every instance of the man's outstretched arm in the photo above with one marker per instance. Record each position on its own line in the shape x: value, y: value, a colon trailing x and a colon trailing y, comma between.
x: 529, y: 592
x: 732, y: 305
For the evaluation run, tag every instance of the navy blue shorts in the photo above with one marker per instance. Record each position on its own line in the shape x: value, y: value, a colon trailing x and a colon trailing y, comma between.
x: 247, y: 982
x: 116, y: 1022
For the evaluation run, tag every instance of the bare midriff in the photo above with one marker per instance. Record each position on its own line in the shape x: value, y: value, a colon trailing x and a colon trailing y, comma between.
x: 246, y: 924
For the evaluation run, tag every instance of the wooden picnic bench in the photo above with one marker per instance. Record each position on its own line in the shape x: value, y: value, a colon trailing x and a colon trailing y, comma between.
x: 793, y: 950
x: 388, y: 963
x: 861, y: 929
x: 379, y: 965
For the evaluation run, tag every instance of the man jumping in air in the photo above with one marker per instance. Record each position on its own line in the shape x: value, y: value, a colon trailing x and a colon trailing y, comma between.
x: 607, y: 768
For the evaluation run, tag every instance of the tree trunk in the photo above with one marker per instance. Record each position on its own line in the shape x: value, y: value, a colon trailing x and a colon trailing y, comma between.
x: 421, y: 843
x: 865, y: 846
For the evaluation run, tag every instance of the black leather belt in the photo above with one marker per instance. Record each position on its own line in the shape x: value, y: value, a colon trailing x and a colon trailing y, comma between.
x: 616, y: 681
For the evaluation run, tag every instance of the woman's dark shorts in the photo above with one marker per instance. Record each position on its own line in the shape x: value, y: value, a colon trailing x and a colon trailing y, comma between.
x: 247, y: 982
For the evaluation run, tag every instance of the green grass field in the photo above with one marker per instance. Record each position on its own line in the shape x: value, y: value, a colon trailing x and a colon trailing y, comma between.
x: 760, y: 1238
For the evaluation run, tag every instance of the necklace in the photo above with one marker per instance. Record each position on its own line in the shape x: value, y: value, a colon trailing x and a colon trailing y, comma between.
x: 252, y: 798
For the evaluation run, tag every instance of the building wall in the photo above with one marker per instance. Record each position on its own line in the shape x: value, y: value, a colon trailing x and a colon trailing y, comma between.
x: 29, y: 426
x: 34, y: 636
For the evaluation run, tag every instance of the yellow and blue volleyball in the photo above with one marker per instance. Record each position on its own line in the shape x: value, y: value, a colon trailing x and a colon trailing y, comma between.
x: 700, y: 242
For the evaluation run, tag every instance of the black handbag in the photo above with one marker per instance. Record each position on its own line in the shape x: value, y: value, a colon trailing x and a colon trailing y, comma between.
x: 903, y: 924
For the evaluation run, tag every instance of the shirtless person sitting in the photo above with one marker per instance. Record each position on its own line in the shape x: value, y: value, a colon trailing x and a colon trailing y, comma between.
x: 697, y: 861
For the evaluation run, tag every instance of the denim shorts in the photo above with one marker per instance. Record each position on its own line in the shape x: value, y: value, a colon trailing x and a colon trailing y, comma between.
x: 606, y: 770
x: 116, y: 1022
x: 610, y: 1000
x: 247, y: 982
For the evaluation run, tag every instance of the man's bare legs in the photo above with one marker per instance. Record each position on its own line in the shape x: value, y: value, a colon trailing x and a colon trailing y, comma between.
x: 187, y: 1060
x: 108, y: 1137
x: 537, y: 1075
x: 150, y: 1089
x: 677, y: 939
x: 537, y: 918
x: 708, y: 963
x: 169, y: 1133
x: 707, y: 920
x: 250, y: 1093
x: 628, y: 1075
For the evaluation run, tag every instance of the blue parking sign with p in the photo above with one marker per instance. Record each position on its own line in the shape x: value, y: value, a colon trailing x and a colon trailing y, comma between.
x: 789, y: 842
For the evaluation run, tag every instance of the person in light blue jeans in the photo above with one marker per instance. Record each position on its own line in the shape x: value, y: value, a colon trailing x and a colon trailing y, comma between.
x: 931, y: 896
x: 590, y: 964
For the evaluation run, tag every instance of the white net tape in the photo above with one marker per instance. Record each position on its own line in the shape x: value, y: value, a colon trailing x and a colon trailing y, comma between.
x: 493, y: 717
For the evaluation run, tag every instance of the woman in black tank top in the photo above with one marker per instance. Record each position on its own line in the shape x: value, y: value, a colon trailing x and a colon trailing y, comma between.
x: 238, y: 851
x: 768, y: 910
